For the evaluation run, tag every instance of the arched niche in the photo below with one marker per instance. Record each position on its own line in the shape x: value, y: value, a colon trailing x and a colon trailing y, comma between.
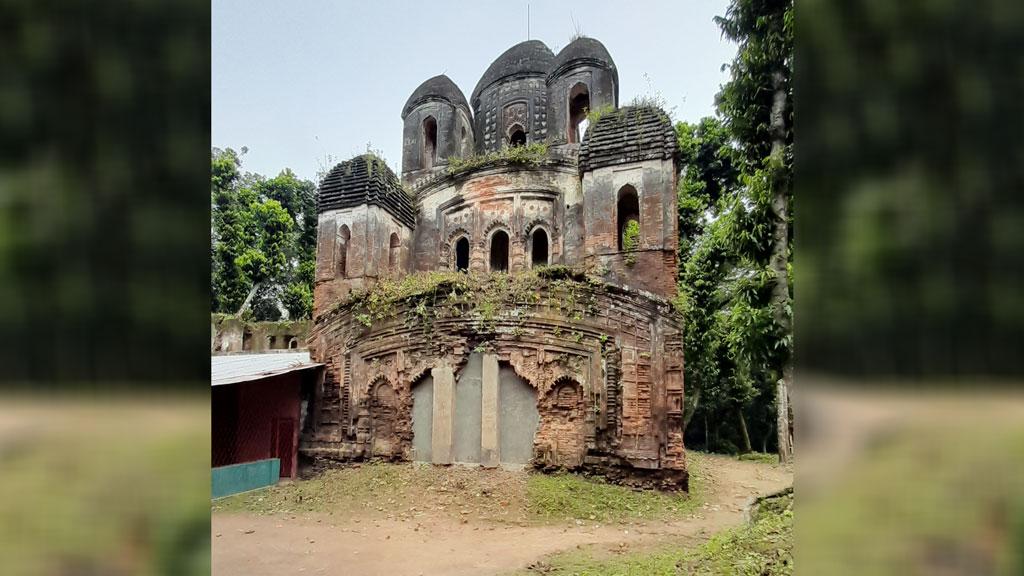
x: 578, y: 103
x: 499, y: 251
x: 627, y: 211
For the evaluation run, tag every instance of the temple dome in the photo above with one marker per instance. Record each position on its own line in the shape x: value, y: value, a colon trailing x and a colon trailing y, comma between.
x: 437, y: 88
x: 532, y: 57
x: 585, y: 50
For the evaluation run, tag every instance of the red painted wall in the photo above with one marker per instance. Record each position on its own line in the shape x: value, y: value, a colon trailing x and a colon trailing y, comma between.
x: 245, y: 418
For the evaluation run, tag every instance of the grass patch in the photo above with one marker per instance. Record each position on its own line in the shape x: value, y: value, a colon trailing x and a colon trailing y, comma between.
x: 764, y: 548
x: 414, y: 490
x: 571, y: 497
x: 333, y: 491
x: 762, y: 457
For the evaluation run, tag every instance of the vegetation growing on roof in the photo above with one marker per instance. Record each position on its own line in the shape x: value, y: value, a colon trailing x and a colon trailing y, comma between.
x: 480, y: 297
x: 532, y: 154
x: 596, y: 114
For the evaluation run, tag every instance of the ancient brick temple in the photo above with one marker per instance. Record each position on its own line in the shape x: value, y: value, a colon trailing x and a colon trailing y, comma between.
x: 507, y: 301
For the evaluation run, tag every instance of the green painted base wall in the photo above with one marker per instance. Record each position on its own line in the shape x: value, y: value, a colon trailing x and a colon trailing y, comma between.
x: 228, y: 480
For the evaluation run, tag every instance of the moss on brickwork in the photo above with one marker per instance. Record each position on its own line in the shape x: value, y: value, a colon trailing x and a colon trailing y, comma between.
x: 531, y: 154
x: 475, y: 296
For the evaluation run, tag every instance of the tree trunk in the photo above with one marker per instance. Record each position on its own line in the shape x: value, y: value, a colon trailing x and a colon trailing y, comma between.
x: 782, y: 421
x: 248, y: 299
x: 743, y: 431
x: 780, y: 257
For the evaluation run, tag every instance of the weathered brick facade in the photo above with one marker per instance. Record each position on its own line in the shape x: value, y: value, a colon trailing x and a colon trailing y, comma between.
x: 551, y: 277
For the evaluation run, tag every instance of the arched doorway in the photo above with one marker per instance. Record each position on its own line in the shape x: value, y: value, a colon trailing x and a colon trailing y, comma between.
x: 517, y: 417
x: 499, y: 251
x: 393, y: 251
x: 462, y: 254
x: 344, y: 235
x: 429, y: 142
x: 579, y: 107
x: 628, y: 218
x: 539, y: 248
x: 486, y: 413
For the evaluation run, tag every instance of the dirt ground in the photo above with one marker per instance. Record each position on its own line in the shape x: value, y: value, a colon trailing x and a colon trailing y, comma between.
x: 380, y: 542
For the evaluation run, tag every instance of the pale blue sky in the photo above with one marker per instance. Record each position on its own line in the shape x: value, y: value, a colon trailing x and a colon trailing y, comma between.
x: 303, y: 82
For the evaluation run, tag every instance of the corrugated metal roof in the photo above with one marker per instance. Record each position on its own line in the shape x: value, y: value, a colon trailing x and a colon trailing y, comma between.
x: 234, y: 368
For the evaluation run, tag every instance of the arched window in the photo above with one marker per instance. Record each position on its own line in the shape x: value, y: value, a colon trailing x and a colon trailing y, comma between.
x: 517, y: 136
x: 628, y: 221
x: 462, y: 255
x: 579, y: 106
x: 393, y: 251
x: 499, y: 251
x: 429, y: 142
x: 539, y: 248
x: 343, y: 239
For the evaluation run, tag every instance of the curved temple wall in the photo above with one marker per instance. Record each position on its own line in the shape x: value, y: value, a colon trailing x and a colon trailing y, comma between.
x: 604, y: 363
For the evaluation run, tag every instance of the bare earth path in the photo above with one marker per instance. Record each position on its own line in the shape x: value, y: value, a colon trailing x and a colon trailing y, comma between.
x: 370, y: 545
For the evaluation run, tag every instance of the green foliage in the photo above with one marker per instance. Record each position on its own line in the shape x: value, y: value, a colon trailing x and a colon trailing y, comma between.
x: 263, y: 240
x: 734, y: 344
x: 761, y: 457
x: 571, y: 497
x: 596, y: 114
x: 298, y: 300
x: 421, y: 299
x: 764, y: 32
x: 764, y: 548
x: 631, y: 241
x: 631, y: 235
x: 532, y: 154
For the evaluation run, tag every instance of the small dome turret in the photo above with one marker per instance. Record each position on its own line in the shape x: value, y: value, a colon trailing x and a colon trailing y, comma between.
x: 582, y: 51
x: 440, y: 88
x: 510, y: 100
x: 583, y: 77
x: 438, y: 125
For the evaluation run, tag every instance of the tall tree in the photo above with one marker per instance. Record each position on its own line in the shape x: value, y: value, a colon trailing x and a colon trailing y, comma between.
x: 263, y: 240
x: 710, y: 175
x: 757, y: 106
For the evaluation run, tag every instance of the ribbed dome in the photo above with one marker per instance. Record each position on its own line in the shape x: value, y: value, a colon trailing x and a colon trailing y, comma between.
x: 438, y: 87
x: 627, y: 135
x: 530, y: 57
x: 583, y: 49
